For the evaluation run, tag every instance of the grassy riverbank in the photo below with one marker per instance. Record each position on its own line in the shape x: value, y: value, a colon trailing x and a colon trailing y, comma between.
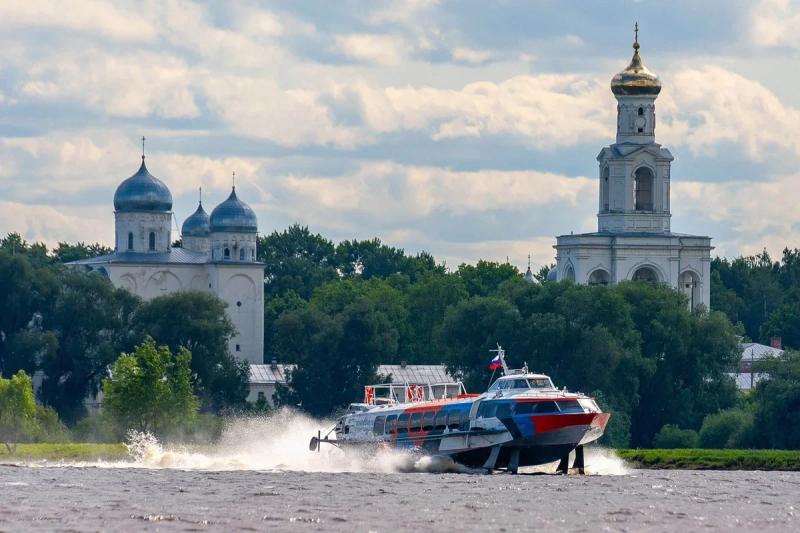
x: 698, y: 459
x: 65, y: 452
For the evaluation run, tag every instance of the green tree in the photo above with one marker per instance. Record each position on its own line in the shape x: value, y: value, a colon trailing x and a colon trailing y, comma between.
x: 784, y: 322
x: 687, y: 356
x: 427, y: 303
x: 25, y: 291
x: 197, y: 321
x: 296, y: 260
x: 671, y: 436
x: 732, y: 428
x: 484, y: 278
x: 150, y: 390
x: 91, y: 321
x: 66, y: 252
x: 17, y: 410
x: 471, y: 328
x: 371, y: 258
x: 777, y: 401
x: 336, y: 355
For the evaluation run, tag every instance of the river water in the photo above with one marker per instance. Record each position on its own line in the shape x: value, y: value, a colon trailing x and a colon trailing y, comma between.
x: 261, y: 477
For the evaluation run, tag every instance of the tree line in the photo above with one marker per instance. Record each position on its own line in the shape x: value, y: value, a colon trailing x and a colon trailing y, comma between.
x: 761, y: 294
x: 340, y: 310
x: 69, y: 327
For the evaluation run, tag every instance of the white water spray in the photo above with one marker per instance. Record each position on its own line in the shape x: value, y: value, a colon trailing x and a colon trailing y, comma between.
x: 276, y: 442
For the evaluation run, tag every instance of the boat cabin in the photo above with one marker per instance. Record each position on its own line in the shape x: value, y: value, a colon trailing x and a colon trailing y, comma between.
x: 523, y: 381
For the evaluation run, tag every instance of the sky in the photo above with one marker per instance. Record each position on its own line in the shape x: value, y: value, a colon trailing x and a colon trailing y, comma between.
x: 465, y: 128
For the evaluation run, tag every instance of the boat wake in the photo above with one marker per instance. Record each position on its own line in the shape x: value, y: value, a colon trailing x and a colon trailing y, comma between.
x: 274, y: 443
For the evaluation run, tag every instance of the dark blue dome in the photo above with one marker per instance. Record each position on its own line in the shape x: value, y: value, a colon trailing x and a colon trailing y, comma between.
x: 233, y: 215
x: 197, y: 225
x: 142, y: 192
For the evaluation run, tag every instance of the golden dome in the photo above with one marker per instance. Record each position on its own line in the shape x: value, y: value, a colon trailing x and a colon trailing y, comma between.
x: 635, y: 79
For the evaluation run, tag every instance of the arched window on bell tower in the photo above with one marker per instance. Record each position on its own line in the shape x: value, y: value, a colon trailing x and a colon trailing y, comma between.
x: 643, y: 189
x: 130, y: 240
x: 604, y: 191
x: 152, y: 242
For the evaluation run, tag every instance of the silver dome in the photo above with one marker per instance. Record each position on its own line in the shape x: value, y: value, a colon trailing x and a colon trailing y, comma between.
x: 233, y: 215
x: 197, y: 225
x: 142, y: 192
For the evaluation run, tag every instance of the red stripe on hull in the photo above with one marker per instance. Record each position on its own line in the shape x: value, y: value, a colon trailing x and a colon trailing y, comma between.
x: 545, y: 423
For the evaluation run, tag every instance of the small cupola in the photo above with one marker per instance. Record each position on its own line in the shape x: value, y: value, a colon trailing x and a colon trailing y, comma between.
x: 635, y: 80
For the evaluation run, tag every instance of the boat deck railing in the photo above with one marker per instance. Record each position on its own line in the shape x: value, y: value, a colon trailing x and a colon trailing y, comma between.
x: 393, y: 393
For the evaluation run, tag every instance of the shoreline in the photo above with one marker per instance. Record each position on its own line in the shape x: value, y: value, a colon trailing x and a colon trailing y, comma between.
x: 702, y: 459
x: 650, y: 459
x: 67, y: 451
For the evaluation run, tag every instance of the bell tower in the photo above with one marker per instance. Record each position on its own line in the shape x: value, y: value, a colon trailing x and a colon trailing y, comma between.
x: 634, y: 172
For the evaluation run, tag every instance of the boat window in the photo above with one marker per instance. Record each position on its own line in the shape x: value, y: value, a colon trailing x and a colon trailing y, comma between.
x: 487, y: 410
x: 377, y: 426
x: 503, y: 410
x: 414, y: 424
x: 441, y: 420
x: 540, y: 383
x: 390, y: 424
x: 570, y: 405
x: 589, y: 405
x: 524, y: 408
x: 454, y: 420
x: 545, y: 407
x: 520, y: 384
x: 427, y: 421
x: 402, y: 423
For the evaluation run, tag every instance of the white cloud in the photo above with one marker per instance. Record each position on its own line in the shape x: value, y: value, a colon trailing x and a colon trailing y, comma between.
x: 134, y: 85
x: 545, y: 111
x: 390, y: 191
x: 373, y: 48
x: 468, y: 55
x: 760, y: 213
x: 405, y: 11
x: 44, y: 223
x: 92, y: 16
x: 775, y: 23
x: 258, y: 107
x: 705, y: 108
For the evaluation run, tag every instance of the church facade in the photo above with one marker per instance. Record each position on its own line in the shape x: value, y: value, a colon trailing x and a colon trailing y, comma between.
x: 218, y: 255
x: 634, y: 240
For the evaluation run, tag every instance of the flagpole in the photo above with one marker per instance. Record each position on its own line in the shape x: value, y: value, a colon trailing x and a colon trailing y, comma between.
x: 492, y: 377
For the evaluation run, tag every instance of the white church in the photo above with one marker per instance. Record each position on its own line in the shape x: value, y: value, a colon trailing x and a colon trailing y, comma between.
x: 633, y: 240
x: 218, y: 255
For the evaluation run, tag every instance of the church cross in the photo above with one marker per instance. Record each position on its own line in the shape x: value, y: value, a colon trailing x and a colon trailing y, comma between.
x: 143, y: 139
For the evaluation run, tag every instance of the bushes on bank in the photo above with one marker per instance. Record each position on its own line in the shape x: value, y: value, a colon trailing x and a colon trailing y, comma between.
x: 671, y: 436
x: 732, y: 428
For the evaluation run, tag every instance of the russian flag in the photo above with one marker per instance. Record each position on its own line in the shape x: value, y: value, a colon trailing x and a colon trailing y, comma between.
x: 496, y: 363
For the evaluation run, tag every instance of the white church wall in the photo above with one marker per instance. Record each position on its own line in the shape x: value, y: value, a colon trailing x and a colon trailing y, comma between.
x: 241, y: 286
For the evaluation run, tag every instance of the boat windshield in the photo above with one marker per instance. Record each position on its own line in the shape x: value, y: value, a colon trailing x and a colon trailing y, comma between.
x: 522, y: 383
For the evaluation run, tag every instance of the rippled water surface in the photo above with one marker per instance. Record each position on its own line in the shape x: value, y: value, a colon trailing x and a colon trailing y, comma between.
x: 261, y: 477
x: 95, y: 498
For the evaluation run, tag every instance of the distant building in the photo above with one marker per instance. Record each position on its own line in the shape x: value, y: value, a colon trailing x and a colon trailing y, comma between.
x: 218, y: 255
x: 633, y: 240
x: 753, y: 352
x: 264, y: 379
